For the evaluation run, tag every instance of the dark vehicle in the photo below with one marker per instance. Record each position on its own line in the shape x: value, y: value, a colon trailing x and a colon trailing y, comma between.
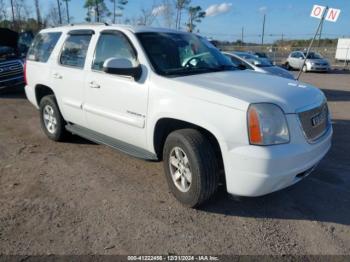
x: 13, y: 48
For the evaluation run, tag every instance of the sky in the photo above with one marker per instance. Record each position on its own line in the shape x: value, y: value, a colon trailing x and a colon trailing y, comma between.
x: 228, y: 17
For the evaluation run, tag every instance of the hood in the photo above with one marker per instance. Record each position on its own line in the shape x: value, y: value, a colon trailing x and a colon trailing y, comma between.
x: 240, y: 88
x: 266, y: 60
x: 8, y: 38
x: 278, y: 71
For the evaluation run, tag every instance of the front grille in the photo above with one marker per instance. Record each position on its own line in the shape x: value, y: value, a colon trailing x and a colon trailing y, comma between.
x: 315, y: 122
x: 10, y: 69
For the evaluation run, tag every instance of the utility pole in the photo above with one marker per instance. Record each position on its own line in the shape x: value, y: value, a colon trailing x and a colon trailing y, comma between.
x: 67, y: 9
x: 59, y: 11
x: 242, y: 39
x: 263, y: 31
x: 320, y: 36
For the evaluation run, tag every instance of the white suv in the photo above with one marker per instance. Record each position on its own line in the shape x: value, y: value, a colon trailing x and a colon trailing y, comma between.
x: 159, y: 94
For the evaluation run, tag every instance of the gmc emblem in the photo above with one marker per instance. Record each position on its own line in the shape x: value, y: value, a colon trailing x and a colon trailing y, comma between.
x: 319, y: 119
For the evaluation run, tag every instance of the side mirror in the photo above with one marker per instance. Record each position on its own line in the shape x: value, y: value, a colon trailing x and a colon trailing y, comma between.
x: 122, y: 66
x: 256, y: 63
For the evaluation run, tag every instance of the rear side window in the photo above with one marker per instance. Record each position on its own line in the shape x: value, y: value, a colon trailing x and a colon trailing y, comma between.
x: 74, y: 50
x: 42, y: 46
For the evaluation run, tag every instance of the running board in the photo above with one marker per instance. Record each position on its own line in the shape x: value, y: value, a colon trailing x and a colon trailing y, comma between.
x: 111, y: 142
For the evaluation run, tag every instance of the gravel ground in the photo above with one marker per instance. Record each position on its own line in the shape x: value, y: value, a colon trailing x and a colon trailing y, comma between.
x: 81, y: 198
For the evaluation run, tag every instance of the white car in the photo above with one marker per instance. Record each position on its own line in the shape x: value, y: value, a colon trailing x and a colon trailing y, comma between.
x: 256, y: 64
x: 159, y: 94
x: 314, y: 62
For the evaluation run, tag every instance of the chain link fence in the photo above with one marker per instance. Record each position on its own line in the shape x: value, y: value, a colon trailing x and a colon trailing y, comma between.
x: 279, y: 54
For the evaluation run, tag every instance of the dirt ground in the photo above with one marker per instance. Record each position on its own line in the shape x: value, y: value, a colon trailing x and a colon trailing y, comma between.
x: 81, y: 198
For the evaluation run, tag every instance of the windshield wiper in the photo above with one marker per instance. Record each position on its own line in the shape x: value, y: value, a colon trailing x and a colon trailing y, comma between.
x: 191, y: 70
x: 226, y: 67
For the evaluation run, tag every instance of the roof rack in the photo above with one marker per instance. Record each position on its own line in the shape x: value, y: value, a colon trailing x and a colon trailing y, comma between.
x: 87, y: 23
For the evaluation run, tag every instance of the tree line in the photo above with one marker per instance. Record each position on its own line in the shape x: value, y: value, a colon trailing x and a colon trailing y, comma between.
x: 177, y: 14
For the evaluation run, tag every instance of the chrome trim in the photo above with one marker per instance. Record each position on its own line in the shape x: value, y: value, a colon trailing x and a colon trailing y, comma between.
x: 11, y: 61
x: 310, y: 107
x: 11, y: 79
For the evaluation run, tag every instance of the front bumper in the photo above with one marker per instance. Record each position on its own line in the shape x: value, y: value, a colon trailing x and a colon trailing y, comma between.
x: 317, y: 68
x: 259, y: 170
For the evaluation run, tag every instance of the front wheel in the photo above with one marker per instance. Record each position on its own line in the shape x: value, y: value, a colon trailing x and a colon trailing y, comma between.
x: 305, y: 69
x: 288, y: 67
x: 191, y: 167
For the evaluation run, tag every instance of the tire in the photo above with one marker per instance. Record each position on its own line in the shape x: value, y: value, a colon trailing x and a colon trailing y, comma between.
x: 305, y: 69
x: 48, y: 106
x: 201, y: 162
x: 288, y: 67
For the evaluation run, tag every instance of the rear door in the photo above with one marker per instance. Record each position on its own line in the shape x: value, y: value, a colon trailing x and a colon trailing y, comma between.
x: 68, y: 75
x: 300, y: 60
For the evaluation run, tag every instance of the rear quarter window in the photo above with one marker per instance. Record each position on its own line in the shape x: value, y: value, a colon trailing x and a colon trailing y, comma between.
x: 42, y: 46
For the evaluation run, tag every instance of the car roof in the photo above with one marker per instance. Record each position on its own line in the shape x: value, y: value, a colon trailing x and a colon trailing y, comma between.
x: 101, y: 26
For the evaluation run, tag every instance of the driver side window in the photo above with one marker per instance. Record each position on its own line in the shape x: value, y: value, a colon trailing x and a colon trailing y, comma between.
x: 112, y: 44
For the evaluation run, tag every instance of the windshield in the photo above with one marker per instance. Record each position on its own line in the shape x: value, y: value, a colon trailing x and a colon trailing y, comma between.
x: 6, y: 52
x: 313, y: 56
x: 178, y: 54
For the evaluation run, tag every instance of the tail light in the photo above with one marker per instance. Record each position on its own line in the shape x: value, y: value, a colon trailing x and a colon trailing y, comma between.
x: 25, y: 72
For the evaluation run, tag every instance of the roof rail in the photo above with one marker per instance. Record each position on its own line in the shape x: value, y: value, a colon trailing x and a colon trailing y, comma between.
x: 87, y: 23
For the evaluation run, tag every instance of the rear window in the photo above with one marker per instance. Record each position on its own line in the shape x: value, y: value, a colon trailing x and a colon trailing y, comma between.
x: 42, y: 46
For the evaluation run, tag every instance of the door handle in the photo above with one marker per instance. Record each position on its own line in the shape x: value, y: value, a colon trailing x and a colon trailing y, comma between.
x: 57, y: 76
x: 94, y: 85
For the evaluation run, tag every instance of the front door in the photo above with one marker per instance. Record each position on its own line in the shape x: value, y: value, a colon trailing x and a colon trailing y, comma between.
x: 300, y: 60
x: 115, y: 105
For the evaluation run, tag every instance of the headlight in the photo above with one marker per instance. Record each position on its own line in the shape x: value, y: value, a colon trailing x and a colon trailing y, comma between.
x: 267, y: 125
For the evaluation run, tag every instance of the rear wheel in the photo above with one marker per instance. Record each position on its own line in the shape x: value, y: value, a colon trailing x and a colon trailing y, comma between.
x: 191, y: 167
x: 52, y: 121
